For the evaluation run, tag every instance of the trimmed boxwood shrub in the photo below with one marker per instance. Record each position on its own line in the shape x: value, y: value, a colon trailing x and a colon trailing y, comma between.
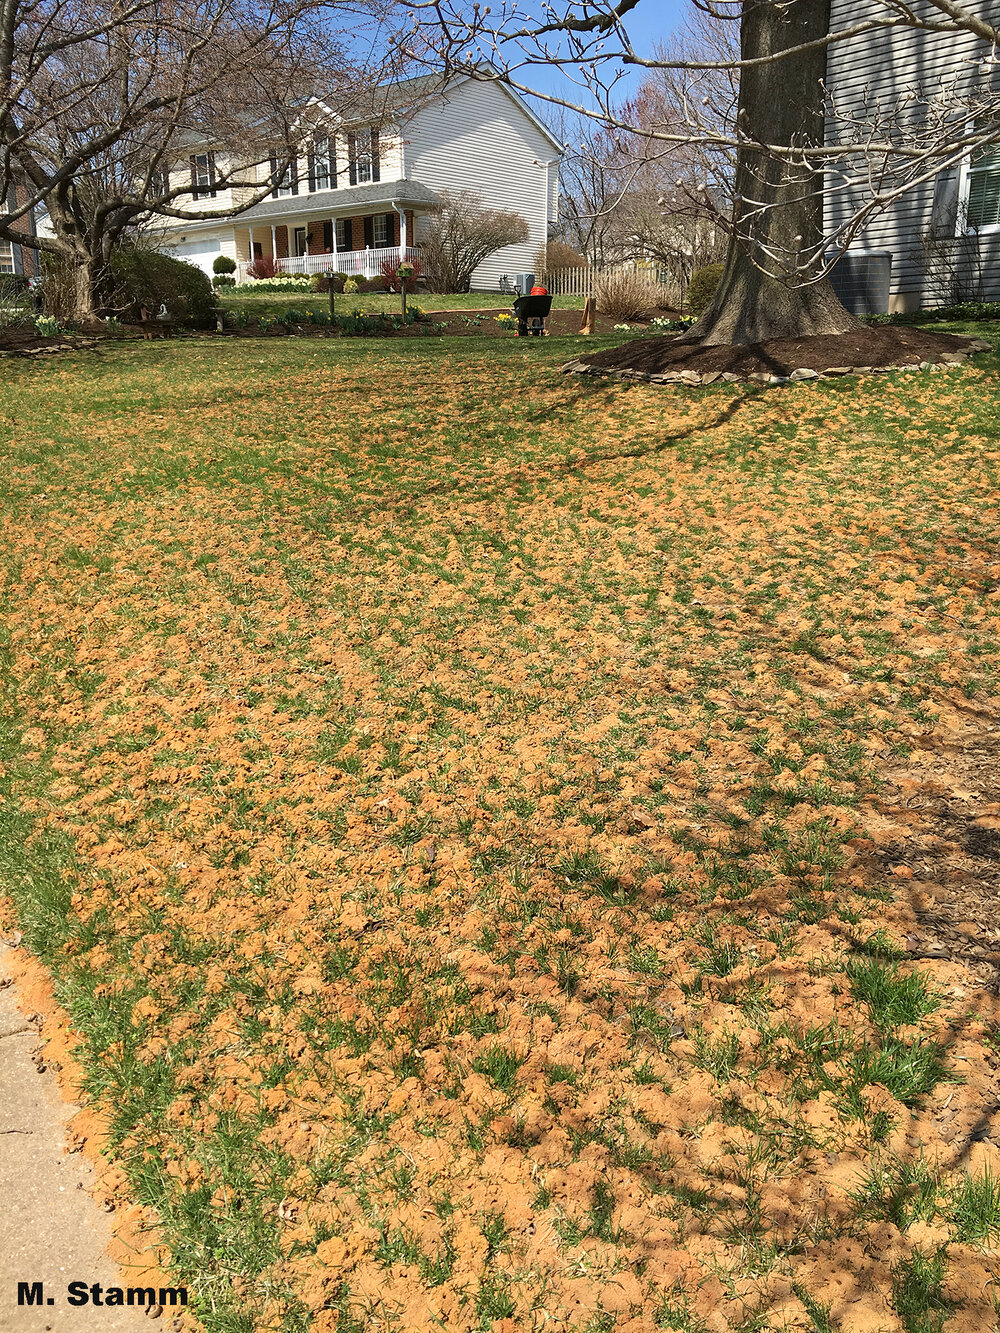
x: 223, y: 280
x: 148, y: 278
x: 702, y: 287
x: 224, y: 264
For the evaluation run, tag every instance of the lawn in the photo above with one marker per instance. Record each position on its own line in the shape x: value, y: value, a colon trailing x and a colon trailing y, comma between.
x: 274, y: 304
x: 437, y: 785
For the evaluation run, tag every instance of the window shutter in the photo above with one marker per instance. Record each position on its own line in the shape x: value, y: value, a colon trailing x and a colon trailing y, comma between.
x: 944, y: 209
x: 293, y: 168
x: 311, y: 168
x: 369, y: 241
x: 333, y: 161
x: 375, y: 166
x: 194, y: 177
x: 274, y: 168
x: 352, y: 158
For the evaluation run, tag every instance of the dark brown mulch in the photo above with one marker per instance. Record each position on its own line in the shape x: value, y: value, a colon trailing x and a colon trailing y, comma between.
x: 561, y: 322
x: 879, y: 345
x: 23, y: 339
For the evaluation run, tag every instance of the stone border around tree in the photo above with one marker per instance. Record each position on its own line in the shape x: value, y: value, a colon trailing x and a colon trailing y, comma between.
x: 693, y: 378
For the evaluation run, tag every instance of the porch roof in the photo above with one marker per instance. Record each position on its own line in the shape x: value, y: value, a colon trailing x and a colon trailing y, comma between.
x: 349, y: 200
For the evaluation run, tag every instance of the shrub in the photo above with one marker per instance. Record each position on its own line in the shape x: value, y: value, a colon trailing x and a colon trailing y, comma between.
x: 556, y: 255
x: 392, y: 283
x: 223, y: 264
x: 15, y: 307
x: 702, y: 287
x: 462, y: 234
x: 376, y: 284
x: 351, y: 287
x: 147, y: 278
x: 262, y: 268
x: 624, y: 294
x: 321, y: 282
x: 223, y: 280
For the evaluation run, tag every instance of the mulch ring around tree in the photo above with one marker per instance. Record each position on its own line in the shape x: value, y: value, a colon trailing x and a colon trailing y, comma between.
x: 665, y: 360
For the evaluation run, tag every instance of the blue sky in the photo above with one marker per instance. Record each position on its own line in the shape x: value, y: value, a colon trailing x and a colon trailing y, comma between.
x: 651, y: 22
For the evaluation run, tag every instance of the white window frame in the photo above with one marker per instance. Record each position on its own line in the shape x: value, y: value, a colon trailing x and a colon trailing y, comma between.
x: 324, y: 154
x: 340, y: 234
x: 377, y: 243
x: 965, y: 174
x: 283, y: 190
x: 6, y: 257
x: 300, y: 236
x: 197, y: 183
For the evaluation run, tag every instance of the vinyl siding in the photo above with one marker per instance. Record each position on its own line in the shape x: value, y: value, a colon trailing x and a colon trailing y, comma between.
x: 477, y: 138
x: 898, y: 72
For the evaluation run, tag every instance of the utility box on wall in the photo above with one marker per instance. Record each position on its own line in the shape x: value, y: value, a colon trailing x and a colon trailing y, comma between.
x: 861, y: 280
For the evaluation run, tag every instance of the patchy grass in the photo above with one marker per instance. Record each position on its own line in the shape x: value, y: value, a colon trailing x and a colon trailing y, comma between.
x: 436, y: 786
x: 273, y: 304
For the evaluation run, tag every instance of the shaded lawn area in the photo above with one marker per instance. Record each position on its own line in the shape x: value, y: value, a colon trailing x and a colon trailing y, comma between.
x: 435, y: 782
x: 273, y: 305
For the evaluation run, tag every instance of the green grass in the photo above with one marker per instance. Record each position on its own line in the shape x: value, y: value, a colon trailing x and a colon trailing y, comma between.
x: 273, y: 304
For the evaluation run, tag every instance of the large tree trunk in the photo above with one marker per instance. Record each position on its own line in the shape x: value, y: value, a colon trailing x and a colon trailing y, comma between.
x: 77, y: 250
x: 778, y: 210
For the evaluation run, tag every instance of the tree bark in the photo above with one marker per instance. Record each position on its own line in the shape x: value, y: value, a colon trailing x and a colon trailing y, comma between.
x: 778, y: 209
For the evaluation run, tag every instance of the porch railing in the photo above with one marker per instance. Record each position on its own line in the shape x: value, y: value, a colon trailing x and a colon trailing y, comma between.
x: 355, y: 263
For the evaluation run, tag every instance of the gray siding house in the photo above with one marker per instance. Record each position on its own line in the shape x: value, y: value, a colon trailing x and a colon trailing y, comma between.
x: 943, y: 235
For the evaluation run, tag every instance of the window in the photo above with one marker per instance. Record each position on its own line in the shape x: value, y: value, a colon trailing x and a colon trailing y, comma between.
x: 6, y: 257
x: 159, y: 181
x: 382, y: 229
x: 300, y: 241
x: 363, y: 165
x: 288, y: 183
x: 323, y: 165
x: 343, y: 235
x: 203, y: 175
x: 983, y: 200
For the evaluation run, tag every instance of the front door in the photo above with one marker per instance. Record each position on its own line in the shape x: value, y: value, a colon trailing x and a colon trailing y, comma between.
x: 300, y: 240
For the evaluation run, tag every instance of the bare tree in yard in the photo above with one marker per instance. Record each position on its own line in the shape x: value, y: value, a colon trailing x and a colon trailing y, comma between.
x: 112, y: 111
x: 464, y: 233
x: 791, y: 149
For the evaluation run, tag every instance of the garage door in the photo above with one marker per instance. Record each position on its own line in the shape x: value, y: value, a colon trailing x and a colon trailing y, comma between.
x: 201, y: 252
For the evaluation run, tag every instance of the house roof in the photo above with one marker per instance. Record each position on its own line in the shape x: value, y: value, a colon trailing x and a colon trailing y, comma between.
x: 330, y: 201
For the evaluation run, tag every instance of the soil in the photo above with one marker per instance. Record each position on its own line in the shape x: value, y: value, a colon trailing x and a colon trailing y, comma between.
x: 870, y: 346
x: 942, y: 805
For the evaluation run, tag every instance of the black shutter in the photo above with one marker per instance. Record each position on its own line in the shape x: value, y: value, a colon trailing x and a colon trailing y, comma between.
x: 327, y: 235
x: 274, y: 168
x: 369, y: 242
x: 333, y: 161
x: 352, y: 158
x: 375, y: 166
x: 293, y: 169
x: 194, y: 177
x: 312, y: 171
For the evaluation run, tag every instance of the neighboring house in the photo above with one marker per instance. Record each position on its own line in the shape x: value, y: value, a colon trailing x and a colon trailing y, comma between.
x: 360, y: 195
x: 943, y: 235
x: 20, y: 258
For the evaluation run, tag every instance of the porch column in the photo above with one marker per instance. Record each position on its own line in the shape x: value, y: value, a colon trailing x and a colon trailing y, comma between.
x: 403, y: 238
x: 333, y: 240
x: 274, y: 245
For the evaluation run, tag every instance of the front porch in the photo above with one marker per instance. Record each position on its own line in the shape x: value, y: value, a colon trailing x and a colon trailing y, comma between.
x: 355, y: 244
x: 355, y: 263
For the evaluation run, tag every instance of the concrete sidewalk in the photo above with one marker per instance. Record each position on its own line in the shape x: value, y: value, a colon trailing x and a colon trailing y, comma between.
x: 51, y: 1230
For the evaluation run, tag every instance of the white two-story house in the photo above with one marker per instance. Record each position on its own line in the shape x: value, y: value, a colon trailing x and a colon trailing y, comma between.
x: 358, y: 195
